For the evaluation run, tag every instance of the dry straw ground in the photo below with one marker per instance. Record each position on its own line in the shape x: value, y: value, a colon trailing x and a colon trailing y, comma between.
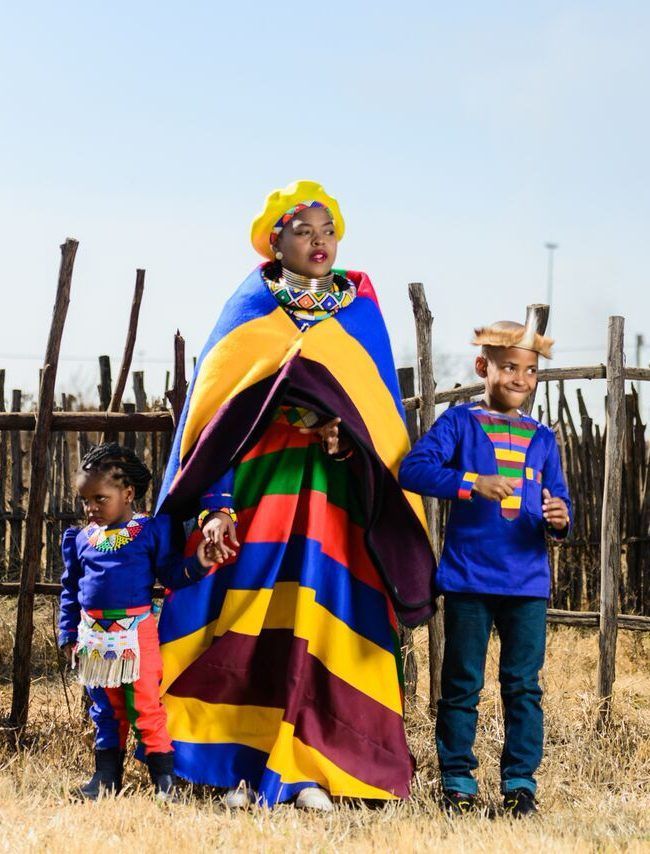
x: 594, y: 787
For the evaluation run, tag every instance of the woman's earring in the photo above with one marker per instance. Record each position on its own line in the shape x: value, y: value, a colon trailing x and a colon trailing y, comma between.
x: 279, y: 256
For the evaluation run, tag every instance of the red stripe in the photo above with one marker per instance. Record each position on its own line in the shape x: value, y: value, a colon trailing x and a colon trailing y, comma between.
x: 98, y: 614
x: 309, y: 514
x: 277, y: 437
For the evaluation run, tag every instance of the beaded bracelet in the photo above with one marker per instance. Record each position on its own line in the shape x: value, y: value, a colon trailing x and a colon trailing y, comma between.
x: 203, y: 515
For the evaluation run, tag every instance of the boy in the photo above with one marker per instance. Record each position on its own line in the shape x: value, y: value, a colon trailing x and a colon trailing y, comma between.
x: 501, y: 469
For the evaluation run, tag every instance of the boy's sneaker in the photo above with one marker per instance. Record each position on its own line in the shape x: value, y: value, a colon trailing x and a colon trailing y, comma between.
x: 520, y: 803
x: 457, y: 803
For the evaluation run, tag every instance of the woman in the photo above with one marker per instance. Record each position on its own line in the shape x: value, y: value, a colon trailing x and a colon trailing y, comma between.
x: 282, y: 667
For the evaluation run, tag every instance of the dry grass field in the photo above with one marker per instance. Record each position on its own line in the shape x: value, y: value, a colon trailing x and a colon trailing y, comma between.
x: 594, y: 787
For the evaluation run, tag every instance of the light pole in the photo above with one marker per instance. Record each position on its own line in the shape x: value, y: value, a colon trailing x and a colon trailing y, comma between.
x: 550, y: 248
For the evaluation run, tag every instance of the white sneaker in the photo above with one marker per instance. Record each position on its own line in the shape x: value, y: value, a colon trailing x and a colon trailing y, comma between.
x: 240, y: 798
x: 312, y: 798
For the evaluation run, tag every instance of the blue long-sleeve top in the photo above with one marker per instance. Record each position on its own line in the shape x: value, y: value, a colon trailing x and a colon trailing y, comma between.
x: 99, y: 575
x: 485, y: 552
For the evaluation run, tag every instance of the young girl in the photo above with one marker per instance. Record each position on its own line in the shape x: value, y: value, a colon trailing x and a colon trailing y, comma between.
x: 106, y: 625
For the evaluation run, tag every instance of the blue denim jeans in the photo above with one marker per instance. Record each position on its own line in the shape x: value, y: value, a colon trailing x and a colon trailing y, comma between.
x: 521, y: 625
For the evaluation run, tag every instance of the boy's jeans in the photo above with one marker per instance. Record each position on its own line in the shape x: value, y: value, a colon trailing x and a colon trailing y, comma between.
x: 521, y: 625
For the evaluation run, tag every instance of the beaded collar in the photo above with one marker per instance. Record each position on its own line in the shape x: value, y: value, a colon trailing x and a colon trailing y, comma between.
x: 111, y: 539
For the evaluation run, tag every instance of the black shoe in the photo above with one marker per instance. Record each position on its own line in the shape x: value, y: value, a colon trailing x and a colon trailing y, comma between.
x: 107, y: 779
x: 457, y: 803
x: 161, y: 771
x: 520, y: 803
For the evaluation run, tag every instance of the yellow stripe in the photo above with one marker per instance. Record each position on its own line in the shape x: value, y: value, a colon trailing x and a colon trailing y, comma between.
x: 512, y: 502
x: 197, y: 722
x: 503, y: 454
x: 245, y: 356
x: 295, y: 762
x: 358, y: 661
x: 329, y: 344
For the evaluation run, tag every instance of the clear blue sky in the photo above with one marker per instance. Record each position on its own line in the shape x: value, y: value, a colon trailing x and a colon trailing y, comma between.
x: 457, y: 137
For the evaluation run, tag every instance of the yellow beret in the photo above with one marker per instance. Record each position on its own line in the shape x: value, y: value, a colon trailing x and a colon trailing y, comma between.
x: 281, y: 202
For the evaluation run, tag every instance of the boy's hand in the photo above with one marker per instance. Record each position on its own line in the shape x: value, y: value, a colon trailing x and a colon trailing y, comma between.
x: 218, y: 529
x: 494, y: 487
x: 554, y: 511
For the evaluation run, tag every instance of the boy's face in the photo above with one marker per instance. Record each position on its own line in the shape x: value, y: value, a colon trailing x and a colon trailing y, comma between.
x: 105, y: 501
x: 510, y: 375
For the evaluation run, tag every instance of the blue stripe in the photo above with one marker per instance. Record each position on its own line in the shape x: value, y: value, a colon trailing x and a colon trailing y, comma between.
x: 249, y: 302
x: 262, y: 565
x: 225, y: 765
x: 364, y: 322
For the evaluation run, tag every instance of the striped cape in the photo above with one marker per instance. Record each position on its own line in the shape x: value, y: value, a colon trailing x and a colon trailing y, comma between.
x: 282, y: 666
x: 342, y: 367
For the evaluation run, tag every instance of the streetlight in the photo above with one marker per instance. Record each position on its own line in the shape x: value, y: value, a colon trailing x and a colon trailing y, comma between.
x: 550, y: 247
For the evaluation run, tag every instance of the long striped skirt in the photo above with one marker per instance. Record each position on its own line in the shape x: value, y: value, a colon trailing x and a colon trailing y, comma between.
x: 282, y: 667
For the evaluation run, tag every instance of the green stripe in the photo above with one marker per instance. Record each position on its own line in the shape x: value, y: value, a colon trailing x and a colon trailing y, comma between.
x: 115, y: 614
x: 131, y: 711
x: 508, y: 472
x: 291, y: 470
x: 508, y: 428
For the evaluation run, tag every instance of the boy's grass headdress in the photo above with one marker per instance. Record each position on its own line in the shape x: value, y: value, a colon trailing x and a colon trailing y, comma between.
x: 508, y: 333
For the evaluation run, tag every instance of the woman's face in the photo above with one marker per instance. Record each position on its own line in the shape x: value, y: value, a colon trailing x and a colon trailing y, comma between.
x: 308, y: 243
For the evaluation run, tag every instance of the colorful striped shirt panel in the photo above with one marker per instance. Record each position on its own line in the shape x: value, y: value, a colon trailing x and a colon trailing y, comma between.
x: 510, y: 439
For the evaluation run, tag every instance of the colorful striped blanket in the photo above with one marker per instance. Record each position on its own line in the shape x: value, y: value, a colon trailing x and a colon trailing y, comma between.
x: 343, y: 366
x: 282, y: 666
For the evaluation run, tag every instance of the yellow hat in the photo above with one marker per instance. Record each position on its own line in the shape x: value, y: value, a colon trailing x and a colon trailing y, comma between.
x: 508, y: 333
x: 282, y: 205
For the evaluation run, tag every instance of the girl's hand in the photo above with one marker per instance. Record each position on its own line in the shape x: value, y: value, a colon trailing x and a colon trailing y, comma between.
x: 555, y: 511
x: 494, y: 487
x: 206, y: 554
x: 329, y: 435
x: 216, y: 530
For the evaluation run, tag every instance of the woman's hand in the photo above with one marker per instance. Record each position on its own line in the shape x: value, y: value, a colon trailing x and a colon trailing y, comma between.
x: 494, y: 487
x: 555, y: 511
x: 329, y: 436
x: 67, y: 651
x: 217, y: 529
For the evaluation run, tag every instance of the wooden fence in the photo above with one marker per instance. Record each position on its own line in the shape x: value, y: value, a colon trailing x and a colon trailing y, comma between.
x: 602, y: 569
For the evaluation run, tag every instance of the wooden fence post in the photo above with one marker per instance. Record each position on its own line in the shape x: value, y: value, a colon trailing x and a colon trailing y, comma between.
x: 17, y: 493
x: 176, y: 395
x: 125, y: 367
x: 406, y: 377
x: 423, y: 324
x: 34, y: 528
x: 3, y: 484
x: 610, y: 540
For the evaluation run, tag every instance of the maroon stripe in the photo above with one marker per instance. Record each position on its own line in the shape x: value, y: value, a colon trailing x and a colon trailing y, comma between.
x: 357, y: 733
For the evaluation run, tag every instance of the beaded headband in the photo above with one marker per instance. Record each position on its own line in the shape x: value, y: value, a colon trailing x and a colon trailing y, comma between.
x: 289, y: 215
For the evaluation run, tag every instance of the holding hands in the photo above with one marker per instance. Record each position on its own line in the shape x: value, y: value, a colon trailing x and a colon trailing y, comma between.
x: 220, y: 538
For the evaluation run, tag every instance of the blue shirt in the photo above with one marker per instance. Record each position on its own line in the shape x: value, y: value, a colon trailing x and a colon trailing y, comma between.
x: 484, y: 552
x: 97, y: 577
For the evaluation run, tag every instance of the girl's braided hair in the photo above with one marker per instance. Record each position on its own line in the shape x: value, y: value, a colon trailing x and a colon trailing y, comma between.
x: 120, y: 463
